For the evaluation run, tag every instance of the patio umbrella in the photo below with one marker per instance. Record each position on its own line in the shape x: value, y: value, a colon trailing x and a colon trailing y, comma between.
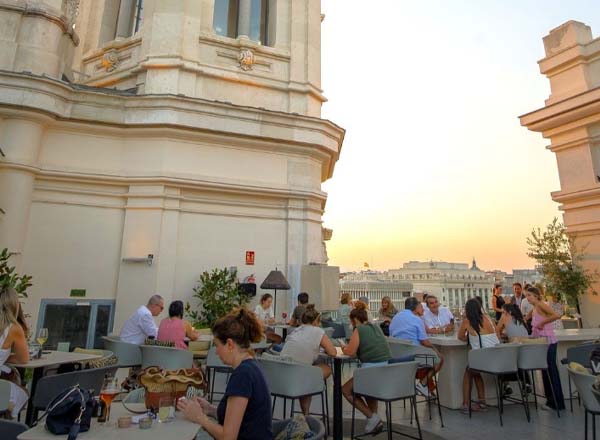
x: 275, y: 281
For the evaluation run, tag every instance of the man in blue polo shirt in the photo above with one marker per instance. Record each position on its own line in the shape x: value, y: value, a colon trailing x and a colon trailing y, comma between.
x: 408, y: 325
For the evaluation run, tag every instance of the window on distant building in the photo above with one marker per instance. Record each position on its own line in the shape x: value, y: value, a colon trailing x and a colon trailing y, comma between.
x: 252, y: 18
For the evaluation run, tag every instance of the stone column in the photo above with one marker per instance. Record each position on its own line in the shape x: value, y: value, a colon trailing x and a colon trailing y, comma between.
x: 20, y: 140
x: 244, y: 18
x: 125, y: 19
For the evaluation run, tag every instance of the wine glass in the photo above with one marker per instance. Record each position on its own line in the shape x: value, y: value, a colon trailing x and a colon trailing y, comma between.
x: 109, y: 391
x: 42, y: 337
x: 284, y: 316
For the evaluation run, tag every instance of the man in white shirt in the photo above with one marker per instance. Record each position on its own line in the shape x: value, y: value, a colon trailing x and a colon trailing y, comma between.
x: 438, y: 319
x: 140, y: 325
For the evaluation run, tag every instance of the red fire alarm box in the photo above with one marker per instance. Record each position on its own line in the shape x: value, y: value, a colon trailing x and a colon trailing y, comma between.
x: 249, y: 258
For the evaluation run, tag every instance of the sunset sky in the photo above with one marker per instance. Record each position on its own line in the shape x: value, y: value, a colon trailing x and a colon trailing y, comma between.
x: 435, y: 164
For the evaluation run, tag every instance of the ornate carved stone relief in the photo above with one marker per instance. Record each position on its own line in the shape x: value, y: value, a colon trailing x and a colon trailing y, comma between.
x: 246, y: 59
x: 110, y: 60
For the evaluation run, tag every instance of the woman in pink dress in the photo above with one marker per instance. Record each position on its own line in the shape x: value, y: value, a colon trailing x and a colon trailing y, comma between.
x: 542, y: 317
x: 175, y: 329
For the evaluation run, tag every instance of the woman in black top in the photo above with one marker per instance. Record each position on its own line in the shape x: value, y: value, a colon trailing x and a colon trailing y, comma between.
x: 245, y: 411
x: 498, y: 301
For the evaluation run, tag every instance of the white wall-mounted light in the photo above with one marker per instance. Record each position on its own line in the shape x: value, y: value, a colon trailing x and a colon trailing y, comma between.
x: 148, y: 260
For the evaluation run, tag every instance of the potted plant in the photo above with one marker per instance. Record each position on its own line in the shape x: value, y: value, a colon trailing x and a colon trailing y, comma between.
x: 560, y: 263
x: 217, y: 293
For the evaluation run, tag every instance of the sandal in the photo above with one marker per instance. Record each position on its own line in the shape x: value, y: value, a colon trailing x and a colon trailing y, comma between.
x: 482, y: 405
x: 465, y: 408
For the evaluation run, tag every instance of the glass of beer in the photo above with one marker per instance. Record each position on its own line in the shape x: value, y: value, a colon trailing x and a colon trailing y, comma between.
x: 110, y: 390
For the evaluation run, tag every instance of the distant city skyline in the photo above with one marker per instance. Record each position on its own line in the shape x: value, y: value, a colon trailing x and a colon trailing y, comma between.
x: 435, y: 164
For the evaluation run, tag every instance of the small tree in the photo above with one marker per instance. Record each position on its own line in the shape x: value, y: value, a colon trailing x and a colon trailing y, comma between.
x: 9, y: 278
x: 560, y: 261
x: 218, y: 292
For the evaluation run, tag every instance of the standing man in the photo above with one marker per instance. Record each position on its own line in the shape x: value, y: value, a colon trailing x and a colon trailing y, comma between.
x: 438, y: 319
x: 140, y: 325
x: 408, y: 324
x: 518, y: 297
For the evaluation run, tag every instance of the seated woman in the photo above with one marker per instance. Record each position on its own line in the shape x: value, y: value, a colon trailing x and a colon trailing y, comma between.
x: 244, y: 413
x: 13, y: 348
x: 345, y: 308
x: 175, y: 329
x: 264, y: 313
x: 476, y: 328
x: 304, y: 343
x: 371, y: 347
x: 511, y: 324
x: 387, y: 310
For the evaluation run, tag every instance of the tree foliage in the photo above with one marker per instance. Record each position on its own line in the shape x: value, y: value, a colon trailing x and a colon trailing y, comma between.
x: 9, y: 278
x: 560, y: 261
x: 217, y: 292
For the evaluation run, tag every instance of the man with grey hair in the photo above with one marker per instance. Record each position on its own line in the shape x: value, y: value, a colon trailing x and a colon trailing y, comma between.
x: 140, y: 325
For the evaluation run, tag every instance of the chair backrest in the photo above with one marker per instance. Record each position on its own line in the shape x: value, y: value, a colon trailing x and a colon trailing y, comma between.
x: 9, y: 430
x: 329, y: 331
x: 168, y: 358
x: 214, y: 361
x: 63, y: 346
x: 499, y: 359
x: 596, y: 394
x: 581, y: 353
x: 262, y: 345
x: 49, y: 387
x: 4, y: 394
x: 533, y: 357
x: 129, y: 355
x: 401, y: 349
x: 348, y: 330
x: 583, y: 383
x: 136, y: 396
x: 292, y: 380
x: 388, y: 382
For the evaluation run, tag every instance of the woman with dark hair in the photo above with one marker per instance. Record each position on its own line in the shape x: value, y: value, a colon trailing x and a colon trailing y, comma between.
x: 511, y: 324
x: 264, y: 313
x: 370, y: 346
x: 303, y: 346
x: 542, y: 317
x: 476, y: 328
x: 175, y: 329
x: 244, y: 413
x: 497, y: 301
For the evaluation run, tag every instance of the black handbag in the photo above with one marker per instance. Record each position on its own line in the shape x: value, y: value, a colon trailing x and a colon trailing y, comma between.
x: 70, y: 412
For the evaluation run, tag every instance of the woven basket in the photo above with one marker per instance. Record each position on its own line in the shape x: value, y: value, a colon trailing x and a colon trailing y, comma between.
x: 172, y: 384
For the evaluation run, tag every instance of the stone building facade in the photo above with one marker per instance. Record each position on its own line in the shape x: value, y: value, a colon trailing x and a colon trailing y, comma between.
x: 570, y: 119
x: 188, y: 131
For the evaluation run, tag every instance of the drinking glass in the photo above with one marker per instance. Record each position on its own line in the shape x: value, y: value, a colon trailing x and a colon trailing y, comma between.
x: 284, y: 316
x: 110, y: 389
x: 166, y: 409
x: 42, y: 337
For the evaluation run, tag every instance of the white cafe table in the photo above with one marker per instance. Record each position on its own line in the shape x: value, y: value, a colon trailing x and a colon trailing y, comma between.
x: 48, y: 359
x: 180, y: 428
x: 455, y: 354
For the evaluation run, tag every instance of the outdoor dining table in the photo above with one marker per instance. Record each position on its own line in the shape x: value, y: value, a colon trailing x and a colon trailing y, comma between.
x: 180, y: 428
x: 48, y: 359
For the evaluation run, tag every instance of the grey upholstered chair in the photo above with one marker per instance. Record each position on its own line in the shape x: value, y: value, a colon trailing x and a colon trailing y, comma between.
x: 583, y: 384
x: 215, y: 365
x: 329, y: 331
x: 9, y: 430
x: 4, y: 394
x: 315, y: 425
x: 129, y: 355
x: 532, y: 358
x: 401, y: 349
x: 581, y: 354
x: 388, y: 384
x: 496, y: 361
x: 168, y: 358
x: 292, y: 381
x: 50, y: 386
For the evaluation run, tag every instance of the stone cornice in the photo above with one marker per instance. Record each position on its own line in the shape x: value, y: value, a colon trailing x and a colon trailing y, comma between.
x: 107, y: 107
x: 561, y: 113
x: 43, y: 11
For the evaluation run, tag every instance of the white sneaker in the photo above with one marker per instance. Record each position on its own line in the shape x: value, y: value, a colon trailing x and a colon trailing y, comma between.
x: 372, y: 423
x: 422, y: 389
